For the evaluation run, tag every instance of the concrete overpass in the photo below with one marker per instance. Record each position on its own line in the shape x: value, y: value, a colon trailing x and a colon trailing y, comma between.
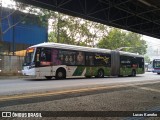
x: 141, y: 16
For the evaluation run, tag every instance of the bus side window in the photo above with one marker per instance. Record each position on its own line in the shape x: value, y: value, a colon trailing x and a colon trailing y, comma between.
x: 89, y: 59
x: 46, y: 55
x: 38, y: 55
x: 126, y: 62
x: 140, y: 62
x: 37, y: 58
x: 45, y: 58
x: 80, y: 58
x: 134, y: 62
x: 102, y: 59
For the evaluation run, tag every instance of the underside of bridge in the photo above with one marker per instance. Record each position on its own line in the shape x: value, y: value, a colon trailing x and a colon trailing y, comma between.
x: 141, y: 16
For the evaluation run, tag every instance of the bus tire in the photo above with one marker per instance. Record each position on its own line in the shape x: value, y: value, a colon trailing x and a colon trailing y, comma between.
x: 133, y: 74
x: 88, y: 76
x: 61, y: 73
x: 158, y: 73
x: 48, y: 77
x: 120, y: 75
x: 100, y: 73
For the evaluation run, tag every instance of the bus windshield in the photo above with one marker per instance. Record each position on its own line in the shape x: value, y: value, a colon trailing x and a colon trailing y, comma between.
x: 156, y: 63
x: 29, y: 56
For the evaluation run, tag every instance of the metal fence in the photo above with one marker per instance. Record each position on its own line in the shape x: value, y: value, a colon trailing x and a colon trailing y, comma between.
x: 10, y: 65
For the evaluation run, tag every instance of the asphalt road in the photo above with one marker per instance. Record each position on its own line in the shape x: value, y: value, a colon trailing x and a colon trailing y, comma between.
x: 25, y: 85
x: 84, y: 98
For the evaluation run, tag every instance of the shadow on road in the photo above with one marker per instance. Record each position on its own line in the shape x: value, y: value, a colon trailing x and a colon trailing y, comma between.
x: 77, y: 78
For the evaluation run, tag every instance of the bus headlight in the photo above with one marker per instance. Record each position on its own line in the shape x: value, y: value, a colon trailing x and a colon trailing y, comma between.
x: 32, y: 66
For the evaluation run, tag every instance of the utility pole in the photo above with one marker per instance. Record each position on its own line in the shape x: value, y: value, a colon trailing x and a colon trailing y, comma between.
x: 1, y: 34
x: 1, y: 21
x: 58, y: 28
x: 13, y: 35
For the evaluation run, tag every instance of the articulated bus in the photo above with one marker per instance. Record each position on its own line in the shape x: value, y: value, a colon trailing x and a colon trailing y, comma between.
x: 62, y: 60
x: 156, y: 66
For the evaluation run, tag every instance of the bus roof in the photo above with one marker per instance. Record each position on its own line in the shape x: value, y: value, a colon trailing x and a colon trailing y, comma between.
x: 156, y: 59
x: 71, y: 47
x: 81, y: 48
x: 130, y: 54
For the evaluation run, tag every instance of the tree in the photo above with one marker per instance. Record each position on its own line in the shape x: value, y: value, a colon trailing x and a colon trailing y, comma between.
x: 147, y: 59
x: 76, y: 31
x: 117, y: 38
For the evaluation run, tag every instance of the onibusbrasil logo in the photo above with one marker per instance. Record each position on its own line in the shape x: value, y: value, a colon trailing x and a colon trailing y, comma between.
x: 21, y: 114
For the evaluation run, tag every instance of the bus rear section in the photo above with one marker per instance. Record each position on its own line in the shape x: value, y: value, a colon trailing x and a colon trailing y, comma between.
x: 126, y: 64
x: 156, y: 66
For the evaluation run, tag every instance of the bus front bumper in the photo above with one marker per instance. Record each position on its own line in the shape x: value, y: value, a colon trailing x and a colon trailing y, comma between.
x: 156, y: 71
x: 27, y: 71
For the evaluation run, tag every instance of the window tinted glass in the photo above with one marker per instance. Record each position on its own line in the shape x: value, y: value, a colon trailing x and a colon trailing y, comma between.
x: 67, y: 57
x: 46, y: 54
x: 55, y: 57
x: 156, y: 63
x: 80, y: 58
x: 102, y: 59
x: 45, y: 57
x: 126, y: 61
x: 89, y: 59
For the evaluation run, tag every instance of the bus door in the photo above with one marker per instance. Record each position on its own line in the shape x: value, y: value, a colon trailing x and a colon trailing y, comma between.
x: 43, y: 62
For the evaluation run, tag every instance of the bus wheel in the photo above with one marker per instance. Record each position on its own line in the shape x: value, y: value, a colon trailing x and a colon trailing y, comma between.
x: 48, y: 77
x: 61, y: 73
x: 100, y: 73
x: 133, y: 73
x: 120, y: 75
x: 158, y: 73
x: 88, y: 76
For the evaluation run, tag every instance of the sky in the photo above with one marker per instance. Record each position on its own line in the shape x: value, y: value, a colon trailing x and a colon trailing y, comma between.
x: 152, y: 41
x: 5, y: 3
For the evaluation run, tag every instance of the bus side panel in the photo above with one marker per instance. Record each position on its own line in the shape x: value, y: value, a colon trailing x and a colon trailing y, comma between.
x: 92, y: 71
x: 48, y: 70
x: 125, y: 71
x: 140, y: 71
x: 44, y: 71
x: 76, y: 70
x: 128, y: 71
x: 86, y: 71
x: 107, y: 71
x: 79, y: 71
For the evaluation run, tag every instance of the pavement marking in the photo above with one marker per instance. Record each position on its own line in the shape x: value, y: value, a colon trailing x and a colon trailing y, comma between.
x: 148, y: 89
x: 81, y: 90
x: 57, y: 93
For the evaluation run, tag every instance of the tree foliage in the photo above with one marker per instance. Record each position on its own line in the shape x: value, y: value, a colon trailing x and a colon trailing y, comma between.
x: 147, y: 59
x: 117, y: 38
x: 76, y: 31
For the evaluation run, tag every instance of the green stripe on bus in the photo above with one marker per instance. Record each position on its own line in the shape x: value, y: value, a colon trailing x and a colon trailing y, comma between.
x: 79, y: 70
